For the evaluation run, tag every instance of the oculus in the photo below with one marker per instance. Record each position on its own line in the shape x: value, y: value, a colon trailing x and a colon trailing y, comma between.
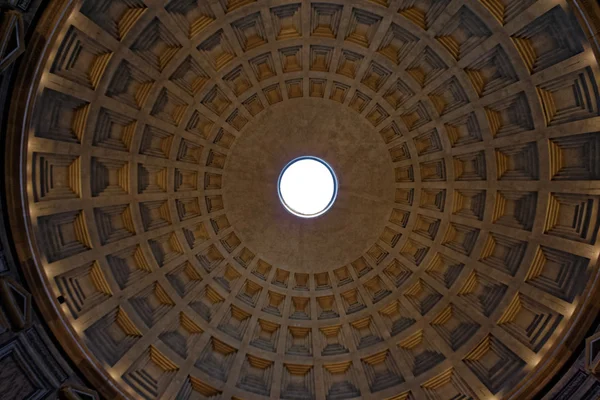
x: 307, y: 187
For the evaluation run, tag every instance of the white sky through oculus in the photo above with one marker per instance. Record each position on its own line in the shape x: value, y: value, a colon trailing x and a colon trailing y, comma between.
x: 307, y: 187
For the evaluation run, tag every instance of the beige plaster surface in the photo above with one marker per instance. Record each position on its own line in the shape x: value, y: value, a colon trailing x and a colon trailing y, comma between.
x: 362, y: 165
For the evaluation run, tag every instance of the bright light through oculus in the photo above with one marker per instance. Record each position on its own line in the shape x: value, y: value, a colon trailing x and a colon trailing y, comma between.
x: 307, y: 187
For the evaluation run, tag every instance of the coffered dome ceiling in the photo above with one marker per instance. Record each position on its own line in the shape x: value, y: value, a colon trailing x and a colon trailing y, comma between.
x: 459, y: 256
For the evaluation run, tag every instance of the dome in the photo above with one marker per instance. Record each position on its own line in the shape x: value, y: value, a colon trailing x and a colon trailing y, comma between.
x: 456, y: 255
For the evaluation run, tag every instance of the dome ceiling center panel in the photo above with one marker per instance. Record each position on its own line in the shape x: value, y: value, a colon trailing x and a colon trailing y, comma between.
x: 350, y: 146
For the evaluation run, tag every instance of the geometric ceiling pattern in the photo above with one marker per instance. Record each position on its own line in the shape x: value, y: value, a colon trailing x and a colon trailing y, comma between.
x: 489, y: 111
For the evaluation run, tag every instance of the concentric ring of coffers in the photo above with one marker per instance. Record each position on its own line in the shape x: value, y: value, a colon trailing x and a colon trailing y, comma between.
x: 488, y: 110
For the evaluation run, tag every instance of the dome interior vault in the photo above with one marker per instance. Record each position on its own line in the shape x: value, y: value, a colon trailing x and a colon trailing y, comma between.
x: 461, y: 248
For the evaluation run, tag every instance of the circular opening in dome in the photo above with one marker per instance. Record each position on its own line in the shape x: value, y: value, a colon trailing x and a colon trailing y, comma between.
x: 307, y: 187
